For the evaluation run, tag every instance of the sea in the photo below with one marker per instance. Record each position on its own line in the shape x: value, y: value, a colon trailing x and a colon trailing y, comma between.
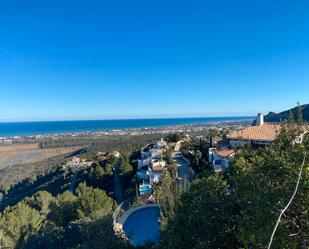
x: 10, y: 129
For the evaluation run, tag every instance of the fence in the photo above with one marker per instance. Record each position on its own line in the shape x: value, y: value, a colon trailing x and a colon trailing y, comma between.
x: 125, y: 209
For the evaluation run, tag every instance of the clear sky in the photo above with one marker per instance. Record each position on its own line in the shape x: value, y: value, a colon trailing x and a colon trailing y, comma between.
x: 70, y: 59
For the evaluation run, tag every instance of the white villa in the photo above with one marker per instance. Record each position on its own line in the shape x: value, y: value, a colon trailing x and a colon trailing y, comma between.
x: 150, y: 152
x: 259, y: 134
x: 150, y: 166
x: 77, y: 162
x: 220, y: 159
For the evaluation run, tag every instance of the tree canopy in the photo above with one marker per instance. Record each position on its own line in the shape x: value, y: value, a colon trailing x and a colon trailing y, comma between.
x: 240, y: 210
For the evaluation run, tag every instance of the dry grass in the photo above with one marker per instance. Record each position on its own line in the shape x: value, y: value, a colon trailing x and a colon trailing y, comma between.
x: 28, y: 153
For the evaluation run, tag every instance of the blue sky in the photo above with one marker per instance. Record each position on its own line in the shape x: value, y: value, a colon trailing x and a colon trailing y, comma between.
x: 125, y: 59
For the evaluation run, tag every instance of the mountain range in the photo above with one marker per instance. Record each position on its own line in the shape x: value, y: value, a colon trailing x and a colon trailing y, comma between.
x: 277, y: 117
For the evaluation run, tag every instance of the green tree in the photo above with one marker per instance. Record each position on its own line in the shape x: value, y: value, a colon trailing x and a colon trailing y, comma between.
x: 197, y: 157
x: 40, y: 201
x: 167, y: 193
x: 211, y: 134
x: 173, y: 137
x: 18, y: 223
x: 112, y: 160
x: 299, y: 113
x: 5, y: 187
x: 263, y: 181
x: 168, y: 157
x: 99, y: 172
x: 291, y: 116
x: 204, y: 218
x: 93, y: 202
x: 99, y: 234
x: 125, y: 166
x: 108, y: 168
x: 83, y: 234
x: 63, y: 209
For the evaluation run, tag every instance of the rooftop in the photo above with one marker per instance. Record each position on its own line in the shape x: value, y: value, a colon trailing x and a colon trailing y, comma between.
x: 225, y: 153
x: 267, y: 132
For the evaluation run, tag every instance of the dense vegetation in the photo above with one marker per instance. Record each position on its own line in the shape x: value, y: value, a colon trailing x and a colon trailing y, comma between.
x: 196, y: 150
x: 235, y: 210
x: 19, y: 181
x: 240, y: 210
x: 90, y: 146
x: 65, y: 221
x: 285, y: 115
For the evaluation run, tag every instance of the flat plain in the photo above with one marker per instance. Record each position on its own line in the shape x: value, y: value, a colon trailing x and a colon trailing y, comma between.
x: 28, y: 153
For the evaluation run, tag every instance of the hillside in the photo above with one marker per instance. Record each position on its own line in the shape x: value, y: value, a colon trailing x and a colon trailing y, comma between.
x: 277, y: 117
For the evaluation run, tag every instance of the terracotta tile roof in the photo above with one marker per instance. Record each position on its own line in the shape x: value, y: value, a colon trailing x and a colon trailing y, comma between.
x: 225, y: 153
x: 305, y: 128
x: 266, y: 132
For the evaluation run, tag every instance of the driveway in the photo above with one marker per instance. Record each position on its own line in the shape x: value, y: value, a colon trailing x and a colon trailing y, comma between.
x: 185, y: 173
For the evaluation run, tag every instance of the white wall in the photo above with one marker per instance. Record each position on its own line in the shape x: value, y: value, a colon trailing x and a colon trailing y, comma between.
x: 155, y: 177
x: 143, y: 176
x: 142, y: 163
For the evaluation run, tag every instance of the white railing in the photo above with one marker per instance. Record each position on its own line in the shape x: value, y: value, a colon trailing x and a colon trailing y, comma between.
x: 125, y: 209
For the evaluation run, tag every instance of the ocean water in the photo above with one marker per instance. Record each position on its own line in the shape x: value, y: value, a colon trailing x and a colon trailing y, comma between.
x: 58, y: 127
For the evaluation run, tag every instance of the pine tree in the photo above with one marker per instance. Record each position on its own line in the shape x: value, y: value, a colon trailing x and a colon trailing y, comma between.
x: 291, y: 116
x: 167, y: 193
x: 93, y: 202
x: 300, y: 113
x: 17, y: 224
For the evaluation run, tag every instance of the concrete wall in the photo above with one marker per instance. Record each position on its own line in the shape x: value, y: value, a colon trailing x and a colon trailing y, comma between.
x: 124, y: 217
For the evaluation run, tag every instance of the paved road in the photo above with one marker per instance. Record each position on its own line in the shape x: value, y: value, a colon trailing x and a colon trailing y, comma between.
x: 117, y: 184
x: 185, y: 173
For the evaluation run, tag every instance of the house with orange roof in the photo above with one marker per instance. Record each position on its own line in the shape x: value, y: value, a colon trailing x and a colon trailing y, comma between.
x: 260, y: 133
x: 220, y: 158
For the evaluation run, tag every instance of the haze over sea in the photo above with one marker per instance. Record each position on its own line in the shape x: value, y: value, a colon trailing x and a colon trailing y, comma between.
x: 10, y: 129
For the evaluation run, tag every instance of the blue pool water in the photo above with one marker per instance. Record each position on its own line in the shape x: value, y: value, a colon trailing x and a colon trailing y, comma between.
x: 145, y: 188
x: 54, y: 127
x: 143, y: 226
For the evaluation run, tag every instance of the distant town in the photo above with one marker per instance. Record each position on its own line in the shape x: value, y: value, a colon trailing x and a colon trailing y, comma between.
x: 233, y: 124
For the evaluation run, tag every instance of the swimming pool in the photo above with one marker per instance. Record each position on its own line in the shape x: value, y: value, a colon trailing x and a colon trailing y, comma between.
x: 144, y: 189
x: 143, y: 225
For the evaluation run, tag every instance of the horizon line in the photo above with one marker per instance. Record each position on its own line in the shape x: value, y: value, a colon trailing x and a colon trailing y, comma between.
x: 128, y: 118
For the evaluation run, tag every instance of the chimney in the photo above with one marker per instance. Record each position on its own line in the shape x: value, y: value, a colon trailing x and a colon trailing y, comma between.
x: 260, y: 119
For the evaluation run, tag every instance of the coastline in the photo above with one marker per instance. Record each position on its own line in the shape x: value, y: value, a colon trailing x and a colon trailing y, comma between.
x: 100, y: 127
x: 41, y: 157
x: 164, y: 129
